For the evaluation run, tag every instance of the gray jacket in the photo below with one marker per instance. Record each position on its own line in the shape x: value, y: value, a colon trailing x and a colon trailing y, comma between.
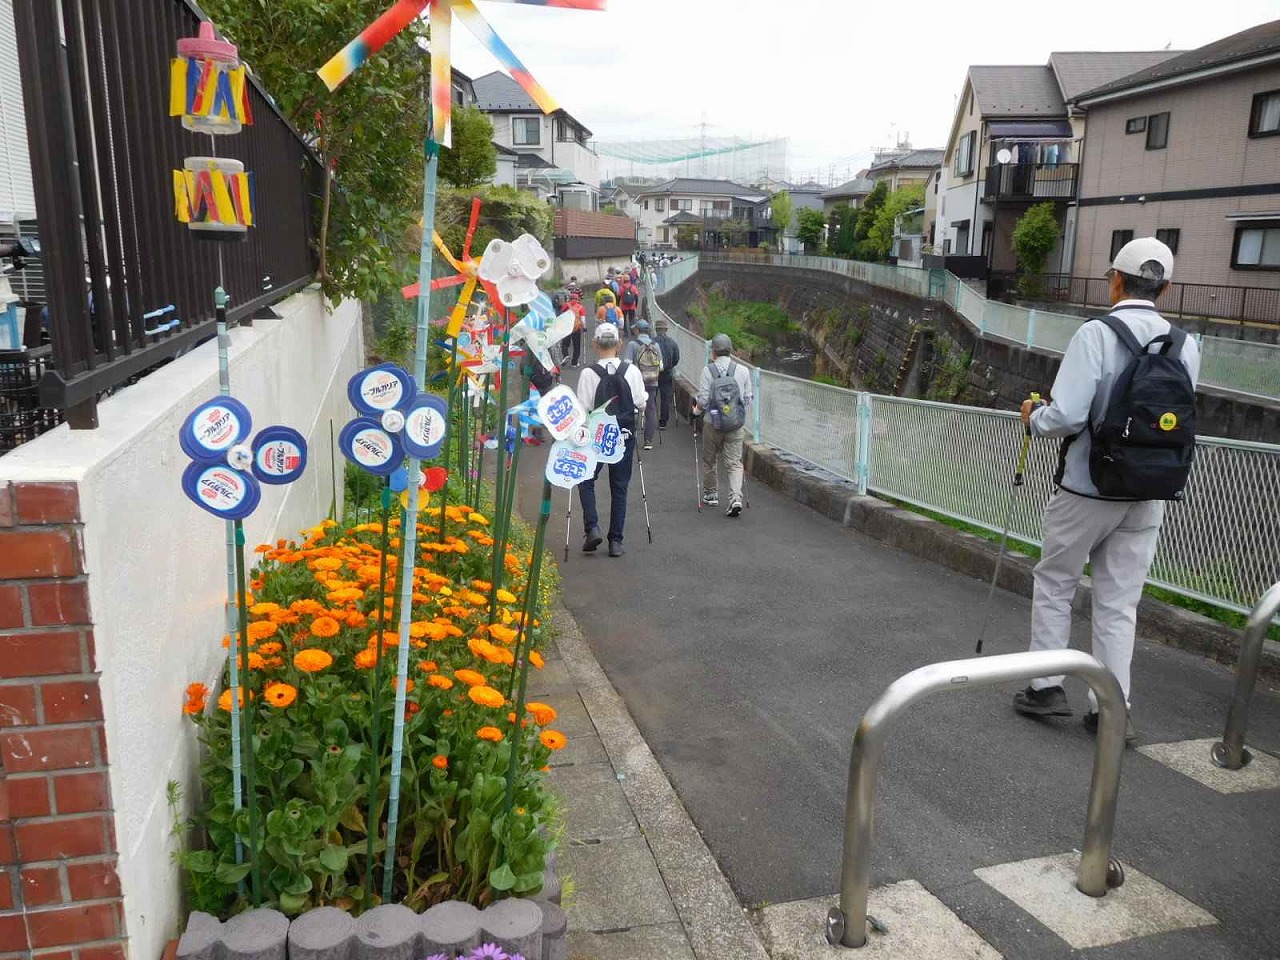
x: 1095, y: 357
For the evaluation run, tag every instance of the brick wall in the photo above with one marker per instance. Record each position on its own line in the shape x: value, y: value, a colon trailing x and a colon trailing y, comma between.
x: 59, y: 892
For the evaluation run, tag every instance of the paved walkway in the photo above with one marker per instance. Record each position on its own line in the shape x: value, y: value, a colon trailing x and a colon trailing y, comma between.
x: 747, y: 650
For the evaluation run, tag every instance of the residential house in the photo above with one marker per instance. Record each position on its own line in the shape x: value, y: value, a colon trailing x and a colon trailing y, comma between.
x: 1015, y: 141
x: 621, y: 197
x: 554, y: 159
x: 709, y: 206
x: 807, y: 196
x: 851, y: 193
x: 1188, y: 151
x: 910, y: 169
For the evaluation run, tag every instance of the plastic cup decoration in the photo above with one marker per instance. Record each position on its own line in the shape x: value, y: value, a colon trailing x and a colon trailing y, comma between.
x: 540, y: 328
x: 213, y: 196
x: 208, y: 86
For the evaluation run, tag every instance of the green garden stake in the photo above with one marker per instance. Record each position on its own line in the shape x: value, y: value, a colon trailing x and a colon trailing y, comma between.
x: 251, y: 798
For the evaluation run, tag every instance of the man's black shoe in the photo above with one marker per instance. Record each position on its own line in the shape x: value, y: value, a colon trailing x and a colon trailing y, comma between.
x: 1049, y: 702
x: 1091, y: 724
x: 592, y: 540
x: 615, y: 548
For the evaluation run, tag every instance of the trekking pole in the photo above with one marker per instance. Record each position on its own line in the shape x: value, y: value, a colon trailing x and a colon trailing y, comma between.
x: 1018, y: 483
x: 644, y: 496
x: 694, y: 421
x: 568, y: 522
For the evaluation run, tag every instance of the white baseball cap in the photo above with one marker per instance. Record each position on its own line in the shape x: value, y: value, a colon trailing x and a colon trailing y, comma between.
x: 606, y: 332
x: 1145, y: 257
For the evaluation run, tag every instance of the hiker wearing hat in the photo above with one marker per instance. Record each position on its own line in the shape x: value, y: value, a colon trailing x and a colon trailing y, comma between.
x: 645, y: 354
x: 666, y: 379
x: 724, y: 394
x: 1123, y: 404
x: 618, y: 383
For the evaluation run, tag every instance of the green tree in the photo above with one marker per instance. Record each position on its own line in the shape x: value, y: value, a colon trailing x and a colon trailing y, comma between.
x: 867, y: 213
x: 368, y: 133
x: 844, y: 225
x: 810, y: 226
x: 783, y: 208
x: 473, y: 159
x: 880, y: 234
x: 688, y: 237
x: 1034, y: 237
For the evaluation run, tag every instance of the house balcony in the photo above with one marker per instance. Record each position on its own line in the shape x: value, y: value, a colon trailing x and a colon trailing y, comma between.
x: 1031, y: 181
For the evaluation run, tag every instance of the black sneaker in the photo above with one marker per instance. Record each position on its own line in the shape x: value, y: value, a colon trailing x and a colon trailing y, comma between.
x: 593, y: 540
x: 710, y: 500
x: 1090, y: 721
x: 1049, y: 702
x: 615, y: 548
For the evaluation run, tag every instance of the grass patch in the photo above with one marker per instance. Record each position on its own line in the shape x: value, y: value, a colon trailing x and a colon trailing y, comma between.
x: 751, y: 325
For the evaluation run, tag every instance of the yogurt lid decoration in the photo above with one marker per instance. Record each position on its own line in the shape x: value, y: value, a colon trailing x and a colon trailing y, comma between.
x: 369, y: 446
x: 382, y: 388
x: 214, y: 427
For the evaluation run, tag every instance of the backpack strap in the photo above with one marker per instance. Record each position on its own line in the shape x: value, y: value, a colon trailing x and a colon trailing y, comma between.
x: 1121, y: 330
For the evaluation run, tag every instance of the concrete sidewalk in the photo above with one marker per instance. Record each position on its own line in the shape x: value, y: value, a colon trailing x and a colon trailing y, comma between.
x: 640, y: 882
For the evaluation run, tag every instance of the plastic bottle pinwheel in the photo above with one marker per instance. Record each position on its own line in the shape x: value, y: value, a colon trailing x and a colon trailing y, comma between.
x: 395, y: 419
x: 375, y: 36
x: 467, y: 275
x: 225, y: 474
x: 514, y: 268
x: 540, y: 328
x: 583, y: 441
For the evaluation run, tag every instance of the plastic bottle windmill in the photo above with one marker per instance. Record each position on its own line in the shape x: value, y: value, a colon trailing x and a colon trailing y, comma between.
x: 467, y: 274
x: 375, y: 36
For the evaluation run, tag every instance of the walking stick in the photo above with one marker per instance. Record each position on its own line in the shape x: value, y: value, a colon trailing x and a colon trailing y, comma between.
x: 694, y: 422
x: 568, y: 521
x: 1018, y: 483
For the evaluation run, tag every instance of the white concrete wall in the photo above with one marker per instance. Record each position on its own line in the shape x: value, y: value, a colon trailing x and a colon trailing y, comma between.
x: 156, y: 562
x: 592, y: 271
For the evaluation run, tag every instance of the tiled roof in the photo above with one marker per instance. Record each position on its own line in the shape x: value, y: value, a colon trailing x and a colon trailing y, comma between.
x: 498, y: 93
x: 1078, y: 71
x: 915, y: 159
x: 695, y: 187
x: 857, y: 187
x: 1257, y: 41
x: 1014, y: 91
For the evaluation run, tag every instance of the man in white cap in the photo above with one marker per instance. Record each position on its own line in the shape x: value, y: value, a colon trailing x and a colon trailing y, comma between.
x: 614, y: 381
x: 1083, y: 524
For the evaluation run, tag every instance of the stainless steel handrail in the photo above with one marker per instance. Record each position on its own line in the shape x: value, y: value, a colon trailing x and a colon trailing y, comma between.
x: 1230, y: 752
x: 847, y: 923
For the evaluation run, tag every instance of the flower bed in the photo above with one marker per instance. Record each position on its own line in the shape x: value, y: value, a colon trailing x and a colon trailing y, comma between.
x: 315, y: 635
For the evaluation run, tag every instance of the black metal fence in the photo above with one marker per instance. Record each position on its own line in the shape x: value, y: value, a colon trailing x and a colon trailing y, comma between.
x: 1206, y: 300
x: 103, y: 148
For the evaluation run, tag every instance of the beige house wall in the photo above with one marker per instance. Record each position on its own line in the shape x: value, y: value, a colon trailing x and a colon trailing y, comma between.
x: 1208, y: 147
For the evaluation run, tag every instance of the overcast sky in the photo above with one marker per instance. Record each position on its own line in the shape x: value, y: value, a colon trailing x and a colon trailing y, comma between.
x: 838, y: 77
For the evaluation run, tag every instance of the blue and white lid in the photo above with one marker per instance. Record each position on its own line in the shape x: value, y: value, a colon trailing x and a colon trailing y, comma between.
x: 379, y: 389
x: 279, y: 455
x: 214, y: 427
x: 221, y: 489
x: 368, y: 446
x: 425, y: 426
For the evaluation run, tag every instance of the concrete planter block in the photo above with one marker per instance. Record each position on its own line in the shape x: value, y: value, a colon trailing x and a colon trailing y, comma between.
x: 324, y: 934
x: 551, y: 889
x: 514, y: 925
x: 452, y: 925
x: 389, y: 932
x: 555, y: 925
x: 255, y: 935
x: 202, y: 939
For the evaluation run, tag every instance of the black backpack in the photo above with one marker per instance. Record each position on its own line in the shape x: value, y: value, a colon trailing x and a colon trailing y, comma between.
x: 614, y: 385
x: 1144, y: 446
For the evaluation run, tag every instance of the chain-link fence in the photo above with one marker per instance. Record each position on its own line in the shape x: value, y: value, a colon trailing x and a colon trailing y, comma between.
x: 1221, y: 544
x: 1239, y: 365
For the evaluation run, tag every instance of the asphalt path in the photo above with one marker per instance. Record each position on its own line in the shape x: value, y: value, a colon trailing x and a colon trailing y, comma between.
x: 748, y: 649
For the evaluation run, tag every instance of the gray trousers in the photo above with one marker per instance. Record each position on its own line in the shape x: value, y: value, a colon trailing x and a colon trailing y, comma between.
x: 715, y: 443
x: 1119, y: 540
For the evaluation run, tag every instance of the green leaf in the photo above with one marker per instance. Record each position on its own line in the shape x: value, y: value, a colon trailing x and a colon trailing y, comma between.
x: 292, y: 903
x: 353, y: 819
x: 334, y: 859
x: 231, y: 873
x: 502, y: 878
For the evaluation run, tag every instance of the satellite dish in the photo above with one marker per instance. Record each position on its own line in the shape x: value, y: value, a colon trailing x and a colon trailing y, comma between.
x: 1004, y: 156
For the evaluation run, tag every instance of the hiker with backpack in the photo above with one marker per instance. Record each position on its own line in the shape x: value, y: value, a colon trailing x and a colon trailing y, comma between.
x: 618, y: 383
x: 724, y: 394
x: 1124, y: 405
x: 604, y: 295
x: 609, y: 312
x: 574, y: 340
x: 646, y: 355
x: 666, y: 379
x: 629, y: 300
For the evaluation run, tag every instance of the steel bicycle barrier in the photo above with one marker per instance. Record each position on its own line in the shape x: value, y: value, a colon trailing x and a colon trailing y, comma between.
x: 1230, y: 752
x: 847, y: 923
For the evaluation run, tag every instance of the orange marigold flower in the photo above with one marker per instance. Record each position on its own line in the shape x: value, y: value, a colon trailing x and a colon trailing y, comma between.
x: 262, y: 609
x: 312, y: 660
x: 506, y: 596
x: 357, y: 619
x: 197, y: 696
x: 478, y: 518
x: 345, y: 595
x: 270, y: 649
x: 327, y: 563
x: 261, y: 629
x: 456, y: 611
x: 552, y: 739
x: 536, y: 659
x: 428, y: 666
x: 324, y: 627
x: 224, y: 701
x: 262, y: 548
x: 470, y: 677
x: 502, y: 634
x: 486, y: 696
x: 283, y: 616
x: 256, y: 661
x: 542, y: 713
x: 366, y: 659
x: 492, y: 734
x: 440, y: 761
x: 280, y: 695
x: 441, y: 681
x: 482, y: 585
x: 307, y: 607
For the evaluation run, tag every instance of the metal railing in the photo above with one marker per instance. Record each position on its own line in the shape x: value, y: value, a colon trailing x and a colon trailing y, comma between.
x: 96, y: 92
x: 847, y: 923
x: 1230, y: 752
x: 1241, y: 366
x: 1221, y: 544
x: 1200, y: 300
x: 1030, y: 181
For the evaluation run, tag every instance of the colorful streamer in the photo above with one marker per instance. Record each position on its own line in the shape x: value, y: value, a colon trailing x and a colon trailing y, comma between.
x: 372, y: 39
x: 206, y: 89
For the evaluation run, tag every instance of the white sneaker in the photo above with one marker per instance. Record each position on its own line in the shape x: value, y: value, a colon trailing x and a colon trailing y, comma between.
x: 735, y: 508
x: 711, y: 499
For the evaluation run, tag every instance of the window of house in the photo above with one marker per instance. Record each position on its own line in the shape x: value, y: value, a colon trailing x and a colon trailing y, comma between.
x: 1257, y: 246
x: 646, y: 204
x: 1264, y: 118
x: 962, y: 236
x: 963, y: 165
x: 526, y: 131
x: 721, y: 206
x: 1135, y: 125
x: 678, y: 205
x: 946, y: 246
x: 659, y: 205
x: 662, y: 234
x: 1118, y: 239
x: 1169, y: 237
x: 1157, y: 131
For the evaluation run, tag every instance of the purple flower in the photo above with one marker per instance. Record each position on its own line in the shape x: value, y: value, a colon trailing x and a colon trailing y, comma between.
x: 488, y: 951
x: 437, y: 956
